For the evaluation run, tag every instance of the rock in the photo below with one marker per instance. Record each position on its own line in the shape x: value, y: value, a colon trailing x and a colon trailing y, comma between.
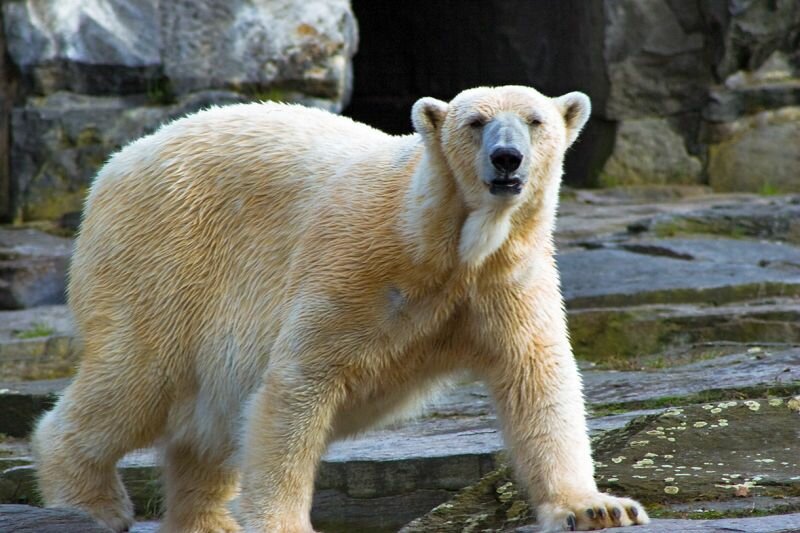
x: 655, y: 58
x: 697, y: 270
x: 776, y: 219
x: 93, y: 77
x: 24, y: 402
x: 84, y: 47
x: 383, y: 478
x: 741, y: 506
x: 700, y: 450
x: 7, y: 90
x: 299, y: 46
x: 402, y: 471
x: 147, y: 526
x: 606, y: 334
x: 27, y: 519
x: 492, y: 504
x: 754, y: 154
x: 33, y: 268
x: 123, y: 47
x: 61, y: 140
x: 759, y: 524
x: 779, y: 369
x: 600, y: 214
x: 649, y: 151
x: 37, y: 343
x: 727, y: 105
x: 704, y: 451
x: 751, y: 31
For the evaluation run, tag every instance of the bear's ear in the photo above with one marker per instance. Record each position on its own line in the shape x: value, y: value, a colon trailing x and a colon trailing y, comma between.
x: 427, y: 115
x: 576, y: 108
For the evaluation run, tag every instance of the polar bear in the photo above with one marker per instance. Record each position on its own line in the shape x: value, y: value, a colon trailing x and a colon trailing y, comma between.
x: 255, y: 281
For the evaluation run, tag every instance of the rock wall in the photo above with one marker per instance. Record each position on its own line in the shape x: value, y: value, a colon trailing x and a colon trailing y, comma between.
x: 712, y: 83
x: 84, y: 78
x: 684, y: 91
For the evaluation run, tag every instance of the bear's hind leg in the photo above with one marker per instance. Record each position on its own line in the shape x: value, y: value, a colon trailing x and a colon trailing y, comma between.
x: 105, y: 413
x: 198, y: 487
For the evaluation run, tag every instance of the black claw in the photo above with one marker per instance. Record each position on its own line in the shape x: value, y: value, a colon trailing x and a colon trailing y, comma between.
x: 601, y: 512
x: 590, y: 513
x: 616, y: 513
x: 572, y: 524
x: 633, y: 512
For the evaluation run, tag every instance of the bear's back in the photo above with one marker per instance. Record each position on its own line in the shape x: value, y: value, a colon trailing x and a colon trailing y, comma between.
x: 210, y: 202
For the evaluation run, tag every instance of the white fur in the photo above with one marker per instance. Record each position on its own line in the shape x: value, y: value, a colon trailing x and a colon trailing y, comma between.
x: 484, y: 231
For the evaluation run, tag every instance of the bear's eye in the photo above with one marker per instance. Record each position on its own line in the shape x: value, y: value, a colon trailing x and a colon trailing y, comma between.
x: 477, y: 122
x: 534, y: 121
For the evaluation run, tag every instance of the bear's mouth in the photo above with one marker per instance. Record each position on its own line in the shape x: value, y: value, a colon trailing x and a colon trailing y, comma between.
x: 505, y: 186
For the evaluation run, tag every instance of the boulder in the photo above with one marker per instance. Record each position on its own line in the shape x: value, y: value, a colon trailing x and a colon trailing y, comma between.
x: 86, y: 47
x: 123, y: 47
x: 650, y: 151
x: 96, y: 75
x: 37, y: 343
x: 757, y: 153
x: 655, y: 58
x: 296, y: 46
x: 61, y: 140
x: 748, y: 32
x: 731, y: 104
x: 33, y: 268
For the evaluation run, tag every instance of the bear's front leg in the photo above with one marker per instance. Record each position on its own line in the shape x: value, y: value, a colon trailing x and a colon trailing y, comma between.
x: 528, y: 364
x: 287, y: 430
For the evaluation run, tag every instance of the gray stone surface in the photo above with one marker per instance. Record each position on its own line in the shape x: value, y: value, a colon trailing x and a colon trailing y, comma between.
x: 775, y: 219
x: 678, y: 270
x: 301, y: 46
x: 125, y: 47
x: 736, y: 371
x: 728, y: 105
x: 84, y: 47
x: 27, y: 519
x: 593, y: 214
x: 789, y: 523
x: 775, y: 84
x: 32, y: 268
x: 655, y: 58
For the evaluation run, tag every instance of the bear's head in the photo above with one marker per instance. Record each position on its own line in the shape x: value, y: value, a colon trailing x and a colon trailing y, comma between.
x: 502, y: 144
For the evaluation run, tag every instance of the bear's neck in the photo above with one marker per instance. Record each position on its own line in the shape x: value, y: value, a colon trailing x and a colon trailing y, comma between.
x: 433, y: 214
x: 443, y: 234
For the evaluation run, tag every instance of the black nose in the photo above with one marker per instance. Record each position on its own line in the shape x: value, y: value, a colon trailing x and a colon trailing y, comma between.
x: 506, y: 159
